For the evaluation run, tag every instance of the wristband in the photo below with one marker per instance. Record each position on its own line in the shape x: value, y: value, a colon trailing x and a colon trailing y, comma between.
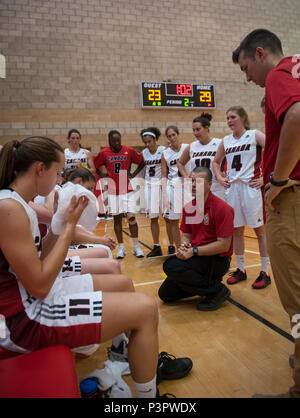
x: 278, y: 183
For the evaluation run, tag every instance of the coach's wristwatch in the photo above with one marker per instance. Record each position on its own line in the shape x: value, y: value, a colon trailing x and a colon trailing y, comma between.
x: 278, y: 183
x: 195, y: 250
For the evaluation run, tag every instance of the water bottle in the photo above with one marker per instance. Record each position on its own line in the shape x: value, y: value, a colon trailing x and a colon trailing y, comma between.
x: 89, y: 388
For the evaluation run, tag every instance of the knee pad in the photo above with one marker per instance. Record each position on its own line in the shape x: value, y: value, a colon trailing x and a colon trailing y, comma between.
x: 131, y: 220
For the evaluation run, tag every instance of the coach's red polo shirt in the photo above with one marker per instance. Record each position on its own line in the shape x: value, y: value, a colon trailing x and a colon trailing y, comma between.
x: 217, y: 222
x: 282, y: 91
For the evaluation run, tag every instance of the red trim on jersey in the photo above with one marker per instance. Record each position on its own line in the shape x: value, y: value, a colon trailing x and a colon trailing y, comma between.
x: 31, y: 335
x: 10, y: 298
x: 257, y: 164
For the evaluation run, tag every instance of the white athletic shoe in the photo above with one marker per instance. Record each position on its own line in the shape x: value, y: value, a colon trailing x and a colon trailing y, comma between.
x: 138, y: 252
x: 121, y: 252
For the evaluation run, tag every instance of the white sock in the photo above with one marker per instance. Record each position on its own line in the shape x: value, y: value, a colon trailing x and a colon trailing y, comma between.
x: 265, y: 264
x: 121, y: 245
x: 135, y: 242
x: 145, y: 390
x: 240, y: 262
x: 119, y: 338
x: 156, y: 245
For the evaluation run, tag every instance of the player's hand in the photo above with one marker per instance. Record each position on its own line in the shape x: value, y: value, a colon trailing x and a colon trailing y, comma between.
x: 257, y: 183
x: 224, y: 182
x: 109, y: 242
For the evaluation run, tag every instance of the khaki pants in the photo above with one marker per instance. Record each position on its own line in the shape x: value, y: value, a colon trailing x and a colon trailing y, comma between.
x: 283, y: 240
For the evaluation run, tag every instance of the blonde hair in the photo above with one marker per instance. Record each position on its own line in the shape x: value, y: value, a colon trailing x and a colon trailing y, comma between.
x: 242, y: 113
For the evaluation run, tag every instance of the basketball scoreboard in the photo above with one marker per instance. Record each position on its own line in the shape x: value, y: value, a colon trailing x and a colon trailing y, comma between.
x: 162, y: 94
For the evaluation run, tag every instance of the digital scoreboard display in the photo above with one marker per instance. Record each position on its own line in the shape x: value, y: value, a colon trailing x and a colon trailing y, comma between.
x: 163, y: 94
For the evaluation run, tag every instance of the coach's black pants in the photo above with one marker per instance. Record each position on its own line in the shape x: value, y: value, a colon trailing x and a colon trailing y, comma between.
x: 195, y: 276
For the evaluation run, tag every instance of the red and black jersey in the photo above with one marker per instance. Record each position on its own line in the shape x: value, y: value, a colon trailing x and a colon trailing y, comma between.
x: 117, y: 165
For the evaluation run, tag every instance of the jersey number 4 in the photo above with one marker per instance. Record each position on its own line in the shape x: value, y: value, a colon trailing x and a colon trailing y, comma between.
x: 236, y: 162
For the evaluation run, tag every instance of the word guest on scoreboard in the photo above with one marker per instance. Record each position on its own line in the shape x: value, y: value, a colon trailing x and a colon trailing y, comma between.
x: 161, y: 94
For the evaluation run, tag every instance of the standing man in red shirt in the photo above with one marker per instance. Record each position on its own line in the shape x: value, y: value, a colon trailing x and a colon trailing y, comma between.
x: 261, y: 58
x: 118, y: 159
x: 205, y: 251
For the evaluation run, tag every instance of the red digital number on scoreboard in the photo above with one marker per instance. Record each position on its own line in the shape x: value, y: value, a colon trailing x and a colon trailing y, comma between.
x: 184, y: 89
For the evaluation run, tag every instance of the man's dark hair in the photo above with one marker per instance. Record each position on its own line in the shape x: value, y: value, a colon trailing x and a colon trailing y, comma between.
x: 259, y: 37
x: 203, y: 169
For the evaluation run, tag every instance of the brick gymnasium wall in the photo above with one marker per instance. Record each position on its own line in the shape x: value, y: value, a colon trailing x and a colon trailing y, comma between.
x: 77, y: 63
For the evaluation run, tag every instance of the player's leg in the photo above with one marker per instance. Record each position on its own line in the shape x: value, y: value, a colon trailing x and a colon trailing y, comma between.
x: 119, y: 235
x: 100, y: 266
x: 139, y: 314
x: 134, y: 232
x: 239, y: 247
x: 175, y: 231
x: 263, y: 280
x: 156, y: 250
x: 171, y: 249
x: 254, y: 217
x: 95, y: 252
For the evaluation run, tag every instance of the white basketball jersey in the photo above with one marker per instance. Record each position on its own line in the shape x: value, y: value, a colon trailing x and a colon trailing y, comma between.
x: 153, y: 164
x: 71, y: 158
x: 203, y: 155
x: 35, y: 231
x: 243, y: 157
x: 171, y: 158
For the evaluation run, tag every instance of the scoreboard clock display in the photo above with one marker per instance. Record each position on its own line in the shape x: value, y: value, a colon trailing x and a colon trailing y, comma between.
x: 161, y: 94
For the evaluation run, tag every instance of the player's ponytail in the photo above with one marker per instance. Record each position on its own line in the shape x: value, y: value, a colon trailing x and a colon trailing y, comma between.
x: 204, y: 119
x: 16, y: 157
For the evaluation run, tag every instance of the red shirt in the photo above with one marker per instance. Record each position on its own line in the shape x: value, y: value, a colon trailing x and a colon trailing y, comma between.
x: 117, y: 165
x: 282, y: 90
x: 217, y: 222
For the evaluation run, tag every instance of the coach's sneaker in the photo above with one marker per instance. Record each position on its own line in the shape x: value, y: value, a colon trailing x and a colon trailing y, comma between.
x: 171, y: 249
x: 262, y: 281
x: 138, y: 252
x: 169, y: 367
x: 119, y: 353
x: 155, y: 252
x: 237, y: 276
x: 121, y: 252
x: 165, y: 395
x: 213, y: 302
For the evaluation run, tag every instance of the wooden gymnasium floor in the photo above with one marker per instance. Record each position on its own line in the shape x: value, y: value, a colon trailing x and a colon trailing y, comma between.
x: 238, y: 350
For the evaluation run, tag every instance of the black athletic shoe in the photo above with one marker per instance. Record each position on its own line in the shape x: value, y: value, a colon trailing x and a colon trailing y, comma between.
x: 155, y: 252
x: 171, y: 249
x: 165, y: 395
x: 213, y: 302
x: 169, y: 367
x: 237, y: 276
